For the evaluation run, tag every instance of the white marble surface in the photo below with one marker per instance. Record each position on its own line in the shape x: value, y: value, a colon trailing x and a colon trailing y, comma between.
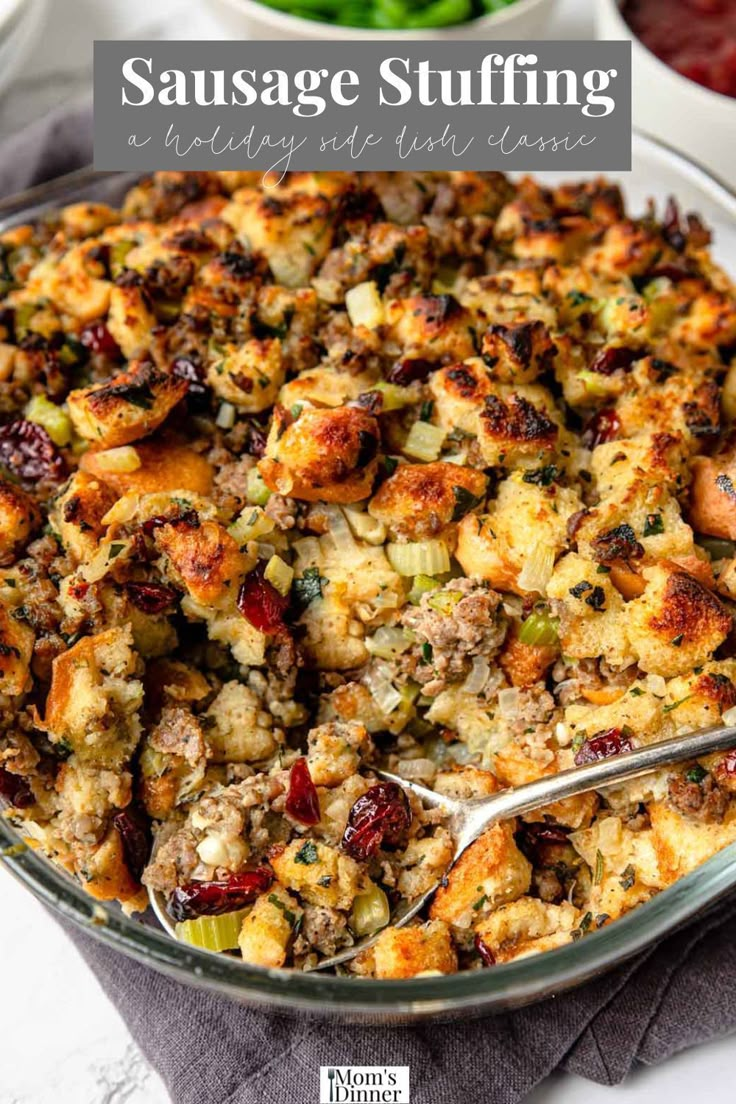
x: 61, y: 1042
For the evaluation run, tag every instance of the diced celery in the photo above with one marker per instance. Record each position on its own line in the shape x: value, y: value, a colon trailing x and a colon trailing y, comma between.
x: 540, y: 629
x: 251, y: 524
x: 387, y: 642
x: 225, y: 416
x: 213, y: 933
x: 594, y: 383
x: 257, y: 491
x: 122, y: 459
x: 419, y: 557
x: 395, y: 397
x: 425, y: 441
x: 279, y: 575
x: 371, y: 911
x: 118, y: 252
x: 422, y: 585
x: 54, y: 419
x: 445, y: 601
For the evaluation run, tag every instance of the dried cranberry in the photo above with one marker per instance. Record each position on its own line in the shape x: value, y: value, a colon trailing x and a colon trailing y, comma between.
x: 728, y: 764
x: 28, y: 452
x: 97, y: 338
x: 256, y: 444
x: 198, y: 395
x: 15, y: 789
x: 188, y: 518
x: 135, y: 836
x: 485, y: 952
x: 261, y: 604
x: 151, y: 597
x: 302, y: 802
x: 215, y: 898
x: 409, y: 370
x: 602, y: 427
x: 535, y: 837
x: 377, y: 819
x: 614, y: 359
x: 612, y: 741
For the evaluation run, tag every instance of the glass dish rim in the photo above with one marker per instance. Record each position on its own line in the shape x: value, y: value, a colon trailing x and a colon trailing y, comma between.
x: 471, y: 992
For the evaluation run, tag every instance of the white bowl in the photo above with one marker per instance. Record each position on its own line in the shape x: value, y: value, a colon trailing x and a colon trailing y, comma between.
x: 693, y: 119
x: 251, y: 19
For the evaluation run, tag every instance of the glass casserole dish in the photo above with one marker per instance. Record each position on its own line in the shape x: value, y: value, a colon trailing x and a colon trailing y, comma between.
x: 657, y: 173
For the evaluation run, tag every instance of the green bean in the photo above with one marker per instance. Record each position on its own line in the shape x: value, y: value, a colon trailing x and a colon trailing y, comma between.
x: 390, y: 15
x: 441, y: 13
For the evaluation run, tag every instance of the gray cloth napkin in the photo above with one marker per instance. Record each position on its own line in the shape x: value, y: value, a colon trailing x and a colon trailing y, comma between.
x: 678, y: 993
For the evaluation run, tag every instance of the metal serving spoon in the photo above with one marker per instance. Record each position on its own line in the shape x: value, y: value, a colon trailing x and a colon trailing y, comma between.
x: 466, y: 820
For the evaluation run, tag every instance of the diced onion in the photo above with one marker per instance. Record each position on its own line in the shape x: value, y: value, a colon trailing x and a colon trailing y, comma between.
x: 729, y: 717
x: 371, y: 911
x: 537, y: 569
x: 378, y: 680
x: 339, y: 532
x: 562, y: 734
x: 459, y: 458
x: 387, y: 642
x: 478, y: 676
x: 656, y: 685
x: 508, y: 702
x: 225, y: 416
x: 419, y: 557
x: 216, y: 850
x: 54, y: 419
x: 364, y: 526
x: 364, y: 305
x: 425, y: 441
x: 122, y: 459
x: 279, y: 574
x: 213, y: 933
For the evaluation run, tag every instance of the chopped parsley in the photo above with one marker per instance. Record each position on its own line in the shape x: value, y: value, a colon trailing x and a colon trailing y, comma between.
x: 307, y: 854
x: 696, y: 774
x: 465, y: 501
x: 542, y: 477
x: 628, y: 877
x: 654, y: 525
x: 308, y: 587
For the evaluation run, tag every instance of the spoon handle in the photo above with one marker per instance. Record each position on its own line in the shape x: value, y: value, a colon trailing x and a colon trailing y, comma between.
x: 592, y: 776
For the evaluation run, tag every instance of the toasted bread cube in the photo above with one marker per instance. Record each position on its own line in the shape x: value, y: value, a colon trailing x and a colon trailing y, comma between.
x: 518, y: 353
x: 104, y: 874
x: 78, y: 512
x: 420, y: 501
x: 459, y: 392
x: 432, y: 327
x: 83, y: 220
x: 527, y: 926
x: 681, y: 844
x: 423, y: 863
x: 657, y: 459
x: 322, y: 455
x: 515, y: 430
x: 523, y: 516
x: 713, y: 494
x: 94, y: 698
x: 165, y: 465
x: 268, y: 928
x: 16, y: 649
x: 130, y: 321
x: 489, y: 873
x: 320, y: 874
x: 335, y: 750
x: 204, y: 559
x: 677, y: 623
x: 126, y: 407
x: 239, y: 730
x: 249, y: 376
x: 292, y: 232
x: 410, y: 952
x: 591, y: 611
x: 19, y: 519
x: 466, y: 782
